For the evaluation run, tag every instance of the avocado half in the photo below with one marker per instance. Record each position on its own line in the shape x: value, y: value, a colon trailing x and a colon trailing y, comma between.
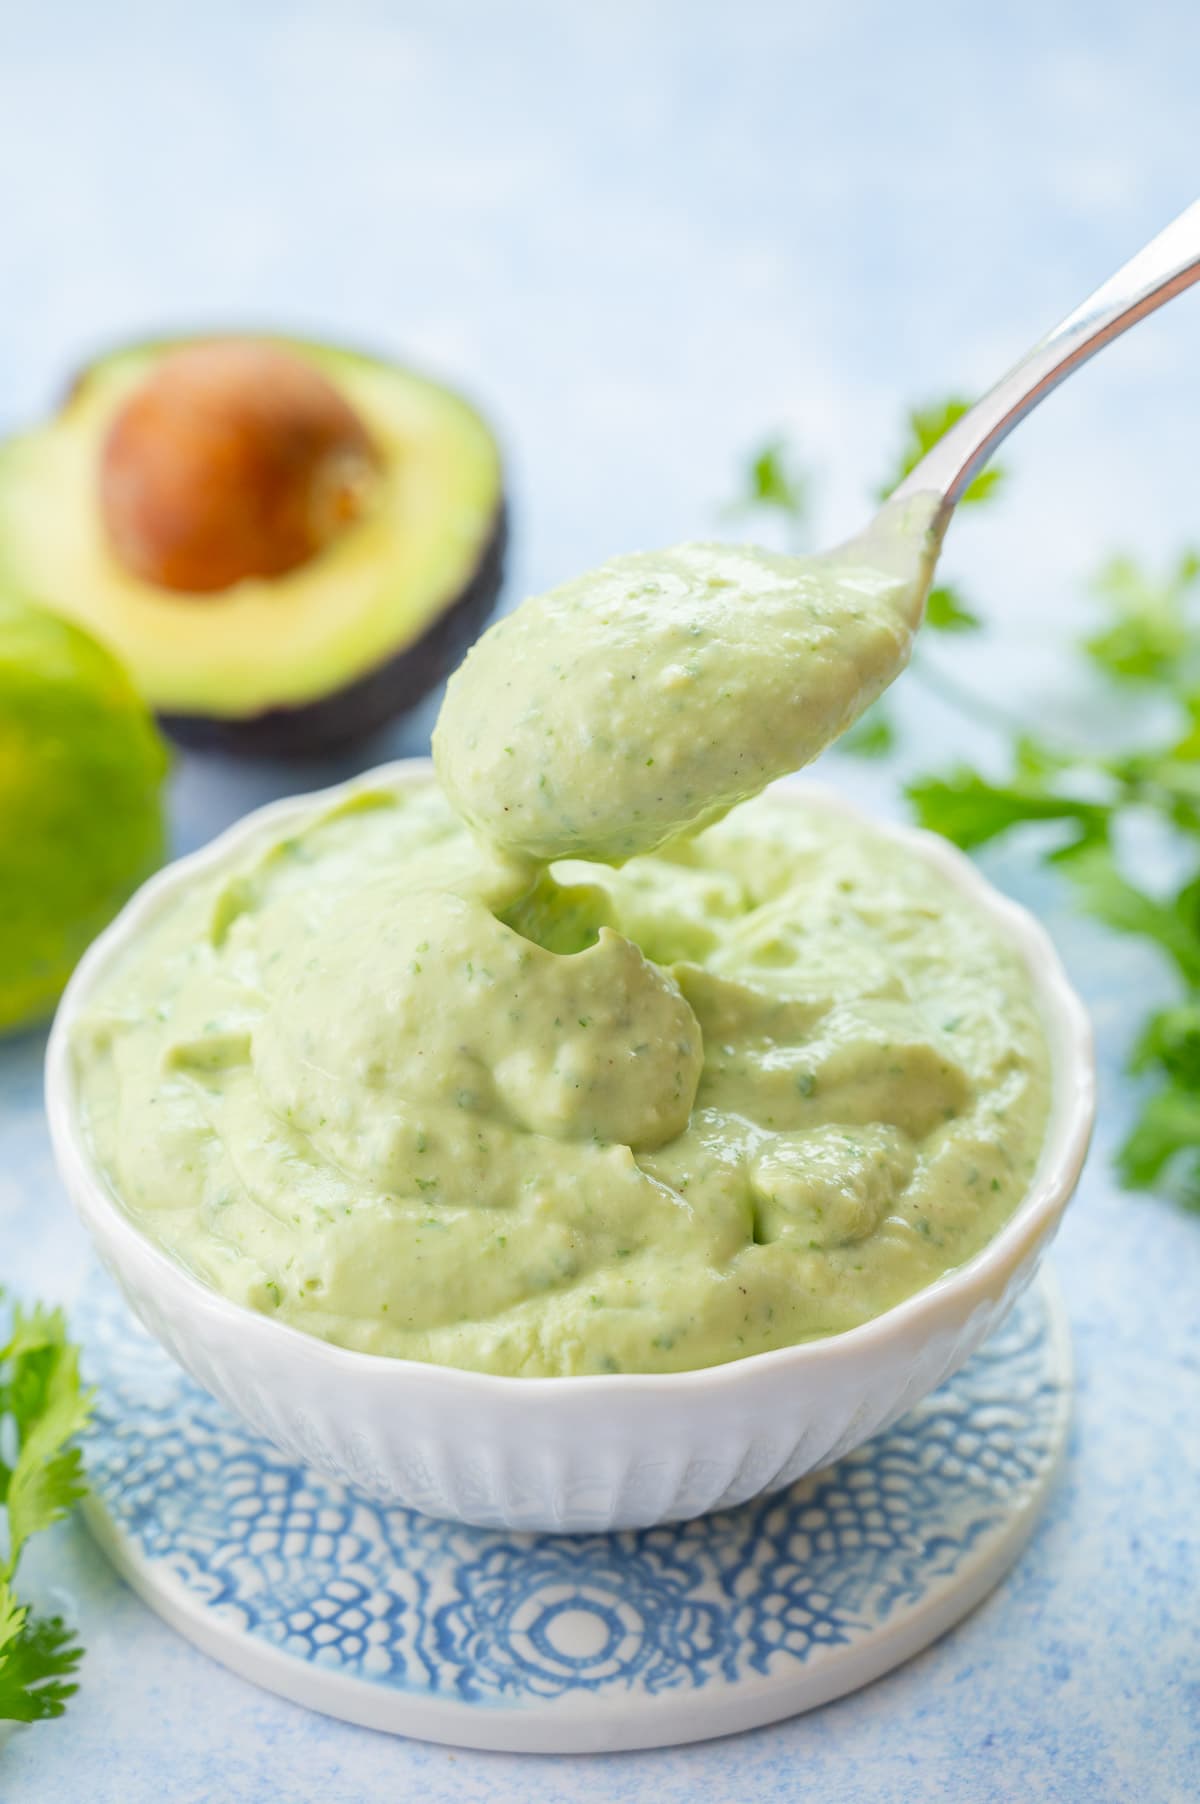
x: 297, y: 664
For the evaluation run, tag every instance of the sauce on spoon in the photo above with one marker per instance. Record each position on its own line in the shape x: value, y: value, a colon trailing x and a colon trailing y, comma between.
x: 649, y: 697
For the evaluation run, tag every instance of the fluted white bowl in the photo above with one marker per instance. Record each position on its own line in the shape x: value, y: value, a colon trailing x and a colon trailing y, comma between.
x: 576, y: 1454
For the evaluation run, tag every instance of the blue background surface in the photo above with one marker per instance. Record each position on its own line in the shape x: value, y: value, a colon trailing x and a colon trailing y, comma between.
x: 644, y: 237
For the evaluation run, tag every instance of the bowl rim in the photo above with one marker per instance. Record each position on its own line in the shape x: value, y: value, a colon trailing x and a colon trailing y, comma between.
x: 1072, y: 1111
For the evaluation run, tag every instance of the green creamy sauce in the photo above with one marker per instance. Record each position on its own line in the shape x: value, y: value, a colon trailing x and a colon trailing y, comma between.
x: 428, y: 1101
x: 649, y: 697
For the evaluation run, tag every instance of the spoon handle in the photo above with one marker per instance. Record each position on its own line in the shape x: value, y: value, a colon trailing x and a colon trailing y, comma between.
x: 1162, y: 269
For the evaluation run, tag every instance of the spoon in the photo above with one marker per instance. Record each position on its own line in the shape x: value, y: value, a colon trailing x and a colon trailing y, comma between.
x: 1160, y: 270
x: 649, y: 697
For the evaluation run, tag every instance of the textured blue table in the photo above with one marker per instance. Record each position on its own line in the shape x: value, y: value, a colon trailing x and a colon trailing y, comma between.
x: 645, y: 236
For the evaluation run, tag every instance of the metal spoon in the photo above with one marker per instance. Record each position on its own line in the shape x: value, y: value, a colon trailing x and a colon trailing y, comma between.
x: 747, y: 664
x: 1164, y: 268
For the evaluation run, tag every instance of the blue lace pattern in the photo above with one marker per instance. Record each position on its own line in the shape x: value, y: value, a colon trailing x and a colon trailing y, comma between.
x: 397, y: 1599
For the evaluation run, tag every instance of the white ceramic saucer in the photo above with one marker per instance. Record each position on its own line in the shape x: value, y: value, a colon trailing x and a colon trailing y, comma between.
x: 542, y: 1643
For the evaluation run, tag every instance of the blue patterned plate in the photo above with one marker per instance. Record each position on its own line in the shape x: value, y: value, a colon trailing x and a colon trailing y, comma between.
x: 545, y: 1643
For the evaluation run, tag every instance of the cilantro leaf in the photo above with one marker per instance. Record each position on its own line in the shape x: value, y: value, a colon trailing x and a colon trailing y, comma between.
x: 774, y: 481
x: 1167, y: 1133
x: 1166, y: 778
x: 946, y: 612
x: 1150, y: 638
x: 1186, y: 749
x: 924, y: 427
x: 1151, y: 628
x: 871, y: 737
x: 1036, y: 763
x: 777, y: 480
x: 969, y: 810
x: 1166, y: 1136
x: 12, y: 1617
x: 49, y: 1407
x: 1170, y: 1040
x: 37, y: 1659
x: 1172, y: 923
x: 42, y: 1408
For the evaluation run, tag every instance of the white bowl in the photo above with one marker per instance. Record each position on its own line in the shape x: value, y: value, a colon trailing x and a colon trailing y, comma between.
x: 577, y: 1454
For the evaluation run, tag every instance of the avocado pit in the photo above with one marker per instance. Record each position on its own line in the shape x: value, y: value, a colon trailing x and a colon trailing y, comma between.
x: 232, y: 459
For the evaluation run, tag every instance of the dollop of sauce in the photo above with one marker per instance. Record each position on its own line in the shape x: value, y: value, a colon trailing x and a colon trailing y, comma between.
x: 443, y: 1004
x: 647, y: 698
x: 433, y: 1102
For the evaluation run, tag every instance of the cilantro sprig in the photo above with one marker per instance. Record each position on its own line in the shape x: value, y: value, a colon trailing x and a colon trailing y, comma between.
x: 43, y: 1406
x: 1148, y: 644
x: 1083, y: 799
x: 1090, y: 798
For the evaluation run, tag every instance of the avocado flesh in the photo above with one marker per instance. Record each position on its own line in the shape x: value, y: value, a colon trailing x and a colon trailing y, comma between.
x: 364, y: 706
x: 292, y: 664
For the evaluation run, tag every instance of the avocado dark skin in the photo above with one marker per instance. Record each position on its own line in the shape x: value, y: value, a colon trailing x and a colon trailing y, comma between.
x: 364, y: 707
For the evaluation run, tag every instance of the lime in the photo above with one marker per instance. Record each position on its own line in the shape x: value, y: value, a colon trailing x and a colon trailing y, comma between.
x: 81, y: 817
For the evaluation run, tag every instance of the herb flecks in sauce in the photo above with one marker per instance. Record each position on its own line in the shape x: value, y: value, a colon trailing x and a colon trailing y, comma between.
x: 752, y: 1089
x: 649, y: 697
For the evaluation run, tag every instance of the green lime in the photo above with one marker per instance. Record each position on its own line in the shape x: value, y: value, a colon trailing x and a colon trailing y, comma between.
x: 81, y: 816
